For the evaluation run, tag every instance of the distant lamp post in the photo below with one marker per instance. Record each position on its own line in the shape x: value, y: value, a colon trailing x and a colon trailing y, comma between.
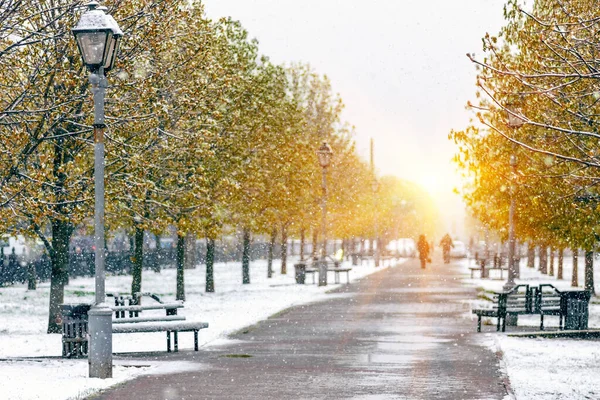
x: 324, y: 153
x: 514, y: 122
x: 98, y: 35
x: 376, y: 250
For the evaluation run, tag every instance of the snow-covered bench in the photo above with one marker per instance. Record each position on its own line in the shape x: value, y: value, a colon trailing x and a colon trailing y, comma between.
x: 513, y: 302
x: 137, y: 322
x: 542, y: 300
x: 332, y: 266
x: 129, y: 317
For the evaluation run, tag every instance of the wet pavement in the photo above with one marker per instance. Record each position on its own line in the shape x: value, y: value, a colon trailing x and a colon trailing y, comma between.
x: 402, y: 333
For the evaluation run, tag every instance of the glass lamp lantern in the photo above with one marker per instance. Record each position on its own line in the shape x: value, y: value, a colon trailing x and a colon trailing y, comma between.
x: 97, y: 35
x: 324, y: 153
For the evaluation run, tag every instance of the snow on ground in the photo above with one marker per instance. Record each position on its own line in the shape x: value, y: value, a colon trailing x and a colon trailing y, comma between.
x: 548, y: 369
x: 537, y: 368
x: 28, y: 354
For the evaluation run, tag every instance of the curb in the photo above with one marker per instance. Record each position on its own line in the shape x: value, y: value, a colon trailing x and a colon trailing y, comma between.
x: 581, y: 334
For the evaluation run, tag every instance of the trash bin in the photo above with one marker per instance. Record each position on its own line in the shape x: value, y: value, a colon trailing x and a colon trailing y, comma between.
x: 75, y: 330
x: 300, y: 270
x: 576, y: 304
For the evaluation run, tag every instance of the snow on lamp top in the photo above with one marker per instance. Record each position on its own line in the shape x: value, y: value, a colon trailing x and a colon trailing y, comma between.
x: 97, y: 35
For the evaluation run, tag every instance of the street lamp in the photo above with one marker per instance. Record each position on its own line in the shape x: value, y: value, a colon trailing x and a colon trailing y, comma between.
x: 514, y: 122
x: 98, y: 35
x: 324, y: 153
x: 375, y: 187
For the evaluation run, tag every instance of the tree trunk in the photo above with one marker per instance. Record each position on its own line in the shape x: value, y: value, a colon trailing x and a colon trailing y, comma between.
x: 31, y: 276
x: 551, y: 266
x: 530, y: 255
x: 302, y: 240
x: 589, y: 272
x: 270, y: 253
x: 180, y: 294
x: 284, y: 248
x: 210, y: 262
x: 561, y: 256
x: 575, y: 274
x: 61, y: 235
x: 315, y: 243
x: 190, y: 251
x: 246, y: 257
x: 544, y: 259
x: 137, y: 261
x: 156, y: 260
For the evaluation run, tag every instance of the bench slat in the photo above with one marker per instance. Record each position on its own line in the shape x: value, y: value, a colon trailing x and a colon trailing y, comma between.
x: 159, y: 327
x: 136, y: 320
x: 168, y: 306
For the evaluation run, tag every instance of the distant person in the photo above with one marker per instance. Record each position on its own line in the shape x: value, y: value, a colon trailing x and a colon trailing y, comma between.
x: 423, y: 248
x: 446, y: 244
x: 339, y: 255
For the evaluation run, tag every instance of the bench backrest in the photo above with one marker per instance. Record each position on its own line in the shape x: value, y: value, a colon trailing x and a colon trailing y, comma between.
x: 546, y: 297
x: 132, y: 305
x: 518, y: 299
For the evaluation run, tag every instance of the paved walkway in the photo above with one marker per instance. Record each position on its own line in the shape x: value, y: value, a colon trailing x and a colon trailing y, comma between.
x: 398, y: 334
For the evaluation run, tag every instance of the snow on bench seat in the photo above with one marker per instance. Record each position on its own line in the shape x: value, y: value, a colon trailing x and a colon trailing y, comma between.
x: 171, y: 326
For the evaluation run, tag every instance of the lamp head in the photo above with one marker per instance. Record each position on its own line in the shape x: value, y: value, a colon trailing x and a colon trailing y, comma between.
x: 324, y: 153
x: 98, y: 36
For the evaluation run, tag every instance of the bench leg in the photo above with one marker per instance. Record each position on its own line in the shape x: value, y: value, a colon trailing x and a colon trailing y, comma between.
x: 560, y: 322
x: 195, y: 340
x: 168, y: 341
x: 498, y: 324
x: 175, y: 342
x: 337, y: 276
x: 541, y: 322
x: 347, y: 276
x: 504, y: 324
x: 479, y: 323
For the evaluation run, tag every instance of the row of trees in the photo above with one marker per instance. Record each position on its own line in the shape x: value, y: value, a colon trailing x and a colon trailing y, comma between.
x: 535, y: 136
x: 204, y: 135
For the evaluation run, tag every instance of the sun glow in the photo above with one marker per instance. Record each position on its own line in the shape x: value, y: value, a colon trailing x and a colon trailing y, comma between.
x: 432, y: 184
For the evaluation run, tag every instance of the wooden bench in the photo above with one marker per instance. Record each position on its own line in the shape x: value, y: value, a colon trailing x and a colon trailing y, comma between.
x: 542, y: 300
x: 169, y: 323
x: 337, y: 271
x: 484, y: 271
x: 312, y: 271
x: 129, y: 317
x: 547, y: 300
x: 514, y: 302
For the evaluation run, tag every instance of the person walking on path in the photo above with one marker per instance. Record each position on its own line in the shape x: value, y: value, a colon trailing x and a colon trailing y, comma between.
x: 446, y: 243
x: 423, y: 248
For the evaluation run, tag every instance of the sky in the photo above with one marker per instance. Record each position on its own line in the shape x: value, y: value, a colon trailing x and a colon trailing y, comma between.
x: 399, y: 65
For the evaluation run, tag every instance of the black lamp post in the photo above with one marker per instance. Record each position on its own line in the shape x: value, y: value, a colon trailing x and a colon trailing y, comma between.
x: 98, y: 35
x: 324, y: 153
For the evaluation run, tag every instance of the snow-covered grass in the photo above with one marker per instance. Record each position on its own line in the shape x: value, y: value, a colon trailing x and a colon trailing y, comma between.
x: 548, y: 369
x: 537, y: 368
x: 551, y: 369
x: 28, y: 354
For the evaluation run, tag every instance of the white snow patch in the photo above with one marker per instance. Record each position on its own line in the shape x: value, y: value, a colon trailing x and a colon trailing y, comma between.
x: 233, y: 307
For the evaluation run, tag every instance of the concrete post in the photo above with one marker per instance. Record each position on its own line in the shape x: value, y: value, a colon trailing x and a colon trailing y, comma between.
x: 100, y: 315
x: 100, y: 350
